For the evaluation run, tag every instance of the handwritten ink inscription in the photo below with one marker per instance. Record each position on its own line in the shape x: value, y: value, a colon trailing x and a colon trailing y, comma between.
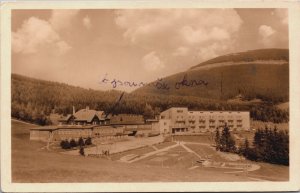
x: 159, y: 84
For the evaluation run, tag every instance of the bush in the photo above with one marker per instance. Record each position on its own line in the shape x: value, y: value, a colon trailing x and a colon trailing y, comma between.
x: 62, y: 144
x: 81, y: 151
x: 80, y: 142
x: 88, y: 141
x: 65, y: 144
x: 73, y: 143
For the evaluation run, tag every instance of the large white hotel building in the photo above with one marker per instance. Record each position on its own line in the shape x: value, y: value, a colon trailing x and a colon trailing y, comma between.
x: 180, y: 120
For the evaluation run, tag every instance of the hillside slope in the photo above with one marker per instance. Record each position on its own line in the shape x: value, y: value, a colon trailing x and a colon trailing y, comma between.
x: 249, y: 56
x: 259, y: 74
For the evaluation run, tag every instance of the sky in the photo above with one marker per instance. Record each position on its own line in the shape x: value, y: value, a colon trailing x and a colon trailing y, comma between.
x: 84, y: 47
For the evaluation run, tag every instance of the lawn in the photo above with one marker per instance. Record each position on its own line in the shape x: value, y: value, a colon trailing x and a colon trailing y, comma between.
x: 270, y: 172
x: 138, y: 151
x: 164, y: 145
x: 205, y: 152
x: 176, y: 157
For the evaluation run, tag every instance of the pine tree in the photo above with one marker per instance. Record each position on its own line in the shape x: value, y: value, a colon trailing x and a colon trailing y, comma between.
x: 246, y: 148
x: 257, y: 138
x: 227, y: 143
x: 217, y: 139
x: 148, y: 112
x: 270, y: 146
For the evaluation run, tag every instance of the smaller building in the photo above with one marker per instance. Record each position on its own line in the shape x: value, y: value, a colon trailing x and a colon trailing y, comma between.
x: 42, y: 133
x: 85, y: 117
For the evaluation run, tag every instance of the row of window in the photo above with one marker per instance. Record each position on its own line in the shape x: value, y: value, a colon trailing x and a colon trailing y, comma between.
x: 214, y: 118
x: 74, y: 132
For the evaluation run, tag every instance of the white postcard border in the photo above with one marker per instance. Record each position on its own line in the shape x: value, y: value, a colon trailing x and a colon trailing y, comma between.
x: 294, y: 41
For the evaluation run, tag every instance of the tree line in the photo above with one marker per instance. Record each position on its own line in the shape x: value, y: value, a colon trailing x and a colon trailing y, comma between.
x: 269, y: 145
x: 72, y: 143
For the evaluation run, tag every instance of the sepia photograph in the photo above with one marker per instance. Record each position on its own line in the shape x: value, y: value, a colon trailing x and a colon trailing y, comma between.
x: 150, y: 95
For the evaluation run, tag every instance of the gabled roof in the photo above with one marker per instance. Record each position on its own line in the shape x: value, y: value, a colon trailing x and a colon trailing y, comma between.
x: 66, y: 118
x: 87, y: 115
x: 100, y: 114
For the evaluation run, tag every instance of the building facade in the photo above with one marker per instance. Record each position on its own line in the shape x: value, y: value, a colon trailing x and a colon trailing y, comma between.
x: 95, y: 124
x: 181, y: 120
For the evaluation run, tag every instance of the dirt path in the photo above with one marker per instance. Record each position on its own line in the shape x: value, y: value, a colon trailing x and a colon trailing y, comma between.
x: 189, y: 150
x: 162, y: 150
x: 152, y: 153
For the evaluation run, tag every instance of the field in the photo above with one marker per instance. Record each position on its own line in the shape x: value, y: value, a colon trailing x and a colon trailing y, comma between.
x: 31, y: 162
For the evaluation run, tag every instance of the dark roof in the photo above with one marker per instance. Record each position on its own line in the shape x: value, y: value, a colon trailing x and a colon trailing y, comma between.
x: 75, y: 126
x: 51, y: 128
x: 45, y: 128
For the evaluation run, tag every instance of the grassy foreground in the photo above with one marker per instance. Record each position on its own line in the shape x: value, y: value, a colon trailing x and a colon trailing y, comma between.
x: 31, y: 163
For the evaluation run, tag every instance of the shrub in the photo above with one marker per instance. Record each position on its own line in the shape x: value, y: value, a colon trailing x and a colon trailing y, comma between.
x: 73, y: 143
x: 62, y: 144
x: 81, y: 151
x: 65, y: 144
x: 88, y: 141
x: 80, y: 142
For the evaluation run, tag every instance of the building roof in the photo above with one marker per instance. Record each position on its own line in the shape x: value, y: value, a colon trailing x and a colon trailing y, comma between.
x: 65, y: 118
x: 45, y: 128
x: 75, y: 126
x: 88, y: 115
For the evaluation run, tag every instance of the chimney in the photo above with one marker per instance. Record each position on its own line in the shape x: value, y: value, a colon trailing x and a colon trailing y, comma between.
x: 73, y: 110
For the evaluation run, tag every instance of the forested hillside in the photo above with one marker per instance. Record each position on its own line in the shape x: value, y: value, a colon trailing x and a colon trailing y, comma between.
x: 263, y: 78
x: 33, y: 100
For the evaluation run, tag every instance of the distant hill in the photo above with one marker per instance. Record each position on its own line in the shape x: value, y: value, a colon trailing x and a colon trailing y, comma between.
x: 250, y: 56
x: 258, y: 74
